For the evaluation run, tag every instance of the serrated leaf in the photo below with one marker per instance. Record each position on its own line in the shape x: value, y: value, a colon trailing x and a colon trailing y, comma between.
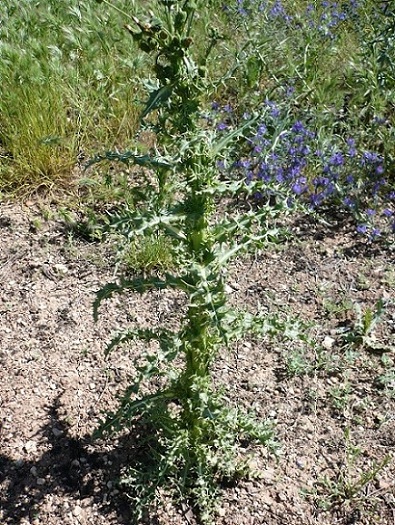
x: 128, y: 157
x: 104, y: 293
x: 166, y: 338
x: 157, y: 98
x: 131, y: 409
x: 140, y: 285
x: 221, y: 144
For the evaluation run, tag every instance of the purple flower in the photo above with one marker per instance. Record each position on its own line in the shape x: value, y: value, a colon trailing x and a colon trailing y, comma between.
x: 289, y: 91
x: 351, y: 147
x: 379, y: 120
x: 274, y: 111
x: 278, y: 11
x: 316, y: 199
x: 298, y: 127
x: 246, y: 164
x: 321, y: 181
x: 369, y: 157
x: 299, y: 186
x: 262, y: 130
x: 336, y: 159
x: 349, y: 202
x: 362, y: 228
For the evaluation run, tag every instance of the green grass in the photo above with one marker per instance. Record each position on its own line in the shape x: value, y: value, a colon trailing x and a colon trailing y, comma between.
x: 71, y: 78
x: 147, y: 255
x: 69, y: 88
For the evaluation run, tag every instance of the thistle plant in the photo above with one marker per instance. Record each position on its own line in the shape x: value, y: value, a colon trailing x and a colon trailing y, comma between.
x: 194, y: 432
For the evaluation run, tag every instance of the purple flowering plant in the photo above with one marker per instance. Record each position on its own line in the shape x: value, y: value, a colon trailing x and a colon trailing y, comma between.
x: 294, y: 161
x: 325, y: 17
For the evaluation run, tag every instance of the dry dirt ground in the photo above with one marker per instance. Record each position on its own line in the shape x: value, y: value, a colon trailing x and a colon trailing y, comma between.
x: 332, y: 402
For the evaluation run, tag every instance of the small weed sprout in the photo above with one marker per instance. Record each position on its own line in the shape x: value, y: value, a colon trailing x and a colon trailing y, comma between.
x: 347, y: 488
x: 194, y: 432
x: 297, y: 363
x: 362, y: 333
x: 386, y: 380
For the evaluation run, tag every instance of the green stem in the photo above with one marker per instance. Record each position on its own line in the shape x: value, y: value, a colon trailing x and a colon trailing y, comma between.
x: 116, y: 8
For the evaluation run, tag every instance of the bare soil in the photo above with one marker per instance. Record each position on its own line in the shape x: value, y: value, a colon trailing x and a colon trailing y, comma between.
x: 332, y: 403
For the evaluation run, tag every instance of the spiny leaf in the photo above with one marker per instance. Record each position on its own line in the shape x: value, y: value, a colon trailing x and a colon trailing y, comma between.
x: 140, y: 285
x: 104, y: 293
x: 129, y: 410
x: 157, y: 98
x: 221, y: 144
x: 140, y: 222
x: 128, y: 157
x: 166, y: 338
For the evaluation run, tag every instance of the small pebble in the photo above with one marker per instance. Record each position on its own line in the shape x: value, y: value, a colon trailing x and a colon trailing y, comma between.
x: 282, y: 496
x: 60, y: 268
x: 30, y: 446
x: 328, y: 342
x: 300, y: 463
x: 77, y: 511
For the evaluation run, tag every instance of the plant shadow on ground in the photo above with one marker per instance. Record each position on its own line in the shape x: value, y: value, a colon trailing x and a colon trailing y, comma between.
x: 76, y: 466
